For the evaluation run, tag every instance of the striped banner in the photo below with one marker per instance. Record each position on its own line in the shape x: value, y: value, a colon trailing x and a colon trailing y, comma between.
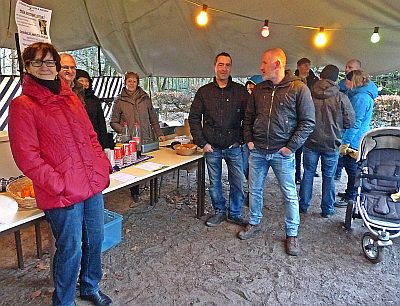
x: 106, y: 88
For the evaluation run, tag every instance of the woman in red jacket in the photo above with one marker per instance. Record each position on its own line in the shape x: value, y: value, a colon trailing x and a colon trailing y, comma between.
x: 54, y: 144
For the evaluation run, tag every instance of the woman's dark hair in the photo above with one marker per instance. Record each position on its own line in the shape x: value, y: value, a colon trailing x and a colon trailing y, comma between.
x: 31, y: 51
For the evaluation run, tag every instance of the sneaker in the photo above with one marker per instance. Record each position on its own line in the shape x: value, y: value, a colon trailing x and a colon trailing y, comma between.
x: 98, y: 299
x: 328, y: 215
x: 236, y: 220
x: 216, y: 219
x: 250, y: 231
x: 135, y: 198
x: 341, y: 195
x: 292, y: 246
x: 341, y: 203
x: 303, y: 211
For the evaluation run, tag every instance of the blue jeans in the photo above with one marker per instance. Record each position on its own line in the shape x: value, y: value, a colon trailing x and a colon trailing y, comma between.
x: 350, y: 165
x: 283, y: 167
x: 339, y: 167
x: 328, y: 166
x: 245, y: 154
x: 234, y: 162
x: 79, y: 232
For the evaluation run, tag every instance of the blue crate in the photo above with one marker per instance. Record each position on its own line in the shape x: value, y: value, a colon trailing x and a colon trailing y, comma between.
x: 112, y: 229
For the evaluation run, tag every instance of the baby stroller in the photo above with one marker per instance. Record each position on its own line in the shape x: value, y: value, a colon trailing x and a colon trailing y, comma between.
x: 378, y: 178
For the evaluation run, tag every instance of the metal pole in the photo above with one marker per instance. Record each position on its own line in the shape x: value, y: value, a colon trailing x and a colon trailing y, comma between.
x: 98, y: 59
x: 20, y: 63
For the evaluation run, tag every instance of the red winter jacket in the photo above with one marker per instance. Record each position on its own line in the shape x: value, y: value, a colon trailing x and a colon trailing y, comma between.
x: 54, y: 144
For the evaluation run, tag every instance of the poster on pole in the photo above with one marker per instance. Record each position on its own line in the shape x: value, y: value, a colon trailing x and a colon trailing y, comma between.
x: 33, y: 24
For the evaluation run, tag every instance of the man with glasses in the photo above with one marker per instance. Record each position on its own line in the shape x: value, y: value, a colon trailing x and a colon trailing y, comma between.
x: 68, y: 74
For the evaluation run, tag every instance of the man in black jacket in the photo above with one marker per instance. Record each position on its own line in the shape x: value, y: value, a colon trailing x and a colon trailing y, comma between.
x: 309, y: 78
x: 215, y: 120
x: 279, y: 117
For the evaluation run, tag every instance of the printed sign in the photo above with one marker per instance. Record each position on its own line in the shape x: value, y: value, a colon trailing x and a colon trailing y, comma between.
x: 33, y: 24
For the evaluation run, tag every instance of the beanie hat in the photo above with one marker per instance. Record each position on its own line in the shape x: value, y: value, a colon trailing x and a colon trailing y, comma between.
x: 303, y: 60
x: 82, y: 74
x: 330, y: 72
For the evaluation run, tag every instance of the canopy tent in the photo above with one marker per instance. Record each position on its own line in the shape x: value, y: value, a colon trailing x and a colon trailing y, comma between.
x: 160, y: 37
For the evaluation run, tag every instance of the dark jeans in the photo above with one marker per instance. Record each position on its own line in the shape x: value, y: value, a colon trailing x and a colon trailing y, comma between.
x: 328, y: 166
x: 79, y: 232
x: 339, y: 167
x: 350, y: 165
x: 298, y: 153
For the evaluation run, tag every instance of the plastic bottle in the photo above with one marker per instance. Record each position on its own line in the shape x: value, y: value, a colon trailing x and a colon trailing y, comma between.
x: 125, y: 133
x: 136, y: 137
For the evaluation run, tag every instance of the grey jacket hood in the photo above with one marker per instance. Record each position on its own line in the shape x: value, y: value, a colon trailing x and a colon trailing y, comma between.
x: 324, y: 89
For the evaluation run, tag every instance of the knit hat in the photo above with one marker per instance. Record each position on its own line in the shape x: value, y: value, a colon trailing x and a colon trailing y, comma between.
x: 303, y: 60
x: 82, y: 74
x: 330, y: 72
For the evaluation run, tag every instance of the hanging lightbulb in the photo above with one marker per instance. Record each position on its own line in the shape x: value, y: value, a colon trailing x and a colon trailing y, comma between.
x: 265, y: 29
x: 375, y: 36
x: 320, y: 39
x: 202, y: 18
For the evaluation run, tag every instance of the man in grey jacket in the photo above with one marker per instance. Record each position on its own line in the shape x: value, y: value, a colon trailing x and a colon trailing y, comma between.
x: 278, y: 119
x: 333, y: 114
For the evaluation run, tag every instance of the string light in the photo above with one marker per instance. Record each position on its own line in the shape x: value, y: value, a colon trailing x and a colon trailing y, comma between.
x: 202, y: 18
x: 375, y: 36
x: 265, y: 29
x: 320, y: 39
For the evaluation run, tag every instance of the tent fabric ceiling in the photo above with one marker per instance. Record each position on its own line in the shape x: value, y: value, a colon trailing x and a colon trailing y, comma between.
x: 160, y: 38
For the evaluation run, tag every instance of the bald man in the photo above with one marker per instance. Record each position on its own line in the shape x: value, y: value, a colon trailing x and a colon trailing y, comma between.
x: 353, y: 64
x: 279, y: 117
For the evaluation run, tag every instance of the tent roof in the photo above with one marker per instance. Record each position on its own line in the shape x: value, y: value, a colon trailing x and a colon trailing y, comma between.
x: 160, y: 38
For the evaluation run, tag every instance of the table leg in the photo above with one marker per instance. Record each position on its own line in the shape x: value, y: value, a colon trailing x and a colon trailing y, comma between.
x: 18, y: 246
x: 152, y: 192
x: 38, y: 234
x: 200, y: 187
x: 156, y: 190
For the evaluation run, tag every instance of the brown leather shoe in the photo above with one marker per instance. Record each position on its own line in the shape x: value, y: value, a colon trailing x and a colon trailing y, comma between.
x: 292, y: 246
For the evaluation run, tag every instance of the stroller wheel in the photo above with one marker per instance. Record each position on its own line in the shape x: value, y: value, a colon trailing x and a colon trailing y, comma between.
x: 349, y: 215
x: 372, y: 251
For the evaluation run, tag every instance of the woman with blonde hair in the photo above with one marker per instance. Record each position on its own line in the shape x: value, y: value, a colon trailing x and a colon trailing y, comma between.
x: 361, y: 93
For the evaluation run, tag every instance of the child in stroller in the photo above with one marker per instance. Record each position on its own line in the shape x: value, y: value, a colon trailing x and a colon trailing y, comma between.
x: 378, y: 183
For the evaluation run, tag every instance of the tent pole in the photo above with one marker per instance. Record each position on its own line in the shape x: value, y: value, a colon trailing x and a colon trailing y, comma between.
x: 20, y: 64
x: 98, y: 59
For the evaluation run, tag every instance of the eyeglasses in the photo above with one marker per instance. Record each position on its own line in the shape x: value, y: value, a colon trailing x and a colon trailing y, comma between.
x: 68, y: 67
x: 39, y: 63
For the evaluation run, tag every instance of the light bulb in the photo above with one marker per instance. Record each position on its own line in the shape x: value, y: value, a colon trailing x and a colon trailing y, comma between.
x: 320, y: 39
x: 265, y: 29
x: 375, y: 36
x: 202, y: 18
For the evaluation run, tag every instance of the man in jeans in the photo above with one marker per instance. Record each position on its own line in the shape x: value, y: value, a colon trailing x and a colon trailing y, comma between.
x: 334, y: 113
x: 215, y: 120
x: 279, y: 117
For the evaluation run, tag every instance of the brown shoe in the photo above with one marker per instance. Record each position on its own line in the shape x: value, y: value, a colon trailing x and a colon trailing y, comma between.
x: 292, y: 246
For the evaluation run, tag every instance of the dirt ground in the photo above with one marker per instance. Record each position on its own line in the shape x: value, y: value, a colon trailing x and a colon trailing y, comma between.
x: 168, y: 257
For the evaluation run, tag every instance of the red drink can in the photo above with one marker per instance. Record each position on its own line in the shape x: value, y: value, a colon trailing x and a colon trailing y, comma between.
x: 117, y: 153
x: 127, y: 149
x: 132, y: 144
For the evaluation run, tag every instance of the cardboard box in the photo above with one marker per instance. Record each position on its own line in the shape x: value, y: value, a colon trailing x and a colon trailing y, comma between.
x: 112, y: 229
